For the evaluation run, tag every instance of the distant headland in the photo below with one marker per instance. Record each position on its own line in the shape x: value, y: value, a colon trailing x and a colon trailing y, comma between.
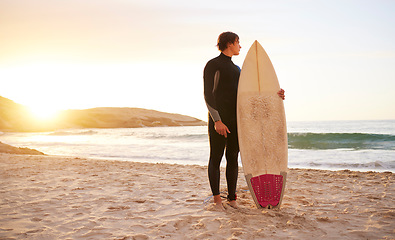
x: 17, y: 117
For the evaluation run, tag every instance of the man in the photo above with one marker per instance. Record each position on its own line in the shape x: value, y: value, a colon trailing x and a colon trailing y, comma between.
x: 221, y: 78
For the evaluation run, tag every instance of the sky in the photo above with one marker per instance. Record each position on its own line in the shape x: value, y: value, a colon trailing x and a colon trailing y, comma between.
x: 335, y: 59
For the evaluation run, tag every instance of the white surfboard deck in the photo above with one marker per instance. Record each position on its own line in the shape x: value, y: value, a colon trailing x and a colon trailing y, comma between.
x: 262, y: 127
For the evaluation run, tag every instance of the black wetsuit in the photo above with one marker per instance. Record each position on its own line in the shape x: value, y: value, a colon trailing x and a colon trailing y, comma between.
x: 221, y: 78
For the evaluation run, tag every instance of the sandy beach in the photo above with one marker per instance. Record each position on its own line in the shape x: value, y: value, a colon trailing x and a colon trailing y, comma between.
x: 50, y: 197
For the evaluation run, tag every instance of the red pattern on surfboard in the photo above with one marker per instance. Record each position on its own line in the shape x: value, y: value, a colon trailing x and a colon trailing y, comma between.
x: 267, y: 189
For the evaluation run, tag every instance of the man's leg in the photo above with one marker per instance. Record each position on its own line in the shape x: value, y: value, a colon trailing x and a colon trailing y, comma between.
x: 232, y: 167
x: 217, y: 146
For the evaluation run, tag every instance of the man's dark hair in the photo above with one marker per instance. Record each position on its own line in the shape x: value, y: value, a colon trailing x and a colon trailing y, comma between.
x: 225, y: 38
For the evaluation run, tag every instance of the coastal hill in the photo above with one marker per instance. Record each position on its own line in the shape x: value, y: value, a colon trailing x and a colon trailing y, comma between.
x: 5, y: 148
x: 16, y: 117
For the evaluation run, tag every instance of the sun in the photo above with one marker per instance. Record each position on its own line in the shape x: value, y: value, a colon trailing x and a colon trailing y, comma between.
x: 44, y: 113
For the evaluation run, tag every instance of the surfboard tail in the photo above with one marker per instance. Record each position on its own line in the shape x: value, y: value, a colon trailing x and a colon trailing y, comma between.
x: 267, y: 190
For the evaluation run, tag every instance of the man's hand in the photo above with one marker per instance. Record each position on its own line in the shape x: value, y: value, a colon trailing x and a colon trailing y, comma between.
x: 221, y: 128
x: 281, y: 94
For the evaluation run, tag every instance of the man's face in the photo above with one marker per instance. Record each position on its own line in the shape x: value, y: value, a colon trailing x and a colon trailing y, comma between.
x: 235, y: 47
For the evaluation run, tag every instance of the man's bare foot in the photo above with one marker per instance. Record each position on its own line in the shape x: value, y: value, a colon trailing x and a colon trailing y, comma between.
x: 218, y: 203
x: 233, y: 204
x: 219, y: 206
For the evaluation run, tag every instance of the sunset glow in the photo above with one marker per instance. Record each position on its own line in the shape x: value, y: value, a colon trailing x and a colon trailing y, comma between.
x: 44, y: 113
x: 150, y: 54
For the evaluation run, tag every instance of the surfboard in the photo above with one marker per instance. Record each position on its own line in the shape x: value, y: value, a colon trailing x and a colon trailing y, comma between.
x: 262, y: 129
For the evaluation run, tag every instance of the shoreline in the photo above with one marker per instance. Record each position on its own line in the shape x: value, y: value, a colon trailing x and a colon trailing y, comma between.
x: 6, y: 148
x: 223, y: 162
x: 52, y: 197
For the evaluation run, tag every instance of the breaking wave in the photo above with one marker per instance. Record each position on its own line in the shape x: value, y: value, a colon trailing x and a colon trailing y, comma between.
x: 355, y: 141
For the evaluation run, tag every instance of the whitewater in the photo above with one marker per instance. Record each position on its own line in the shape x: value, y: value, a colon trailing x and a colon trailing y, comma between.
x: 353, y: 145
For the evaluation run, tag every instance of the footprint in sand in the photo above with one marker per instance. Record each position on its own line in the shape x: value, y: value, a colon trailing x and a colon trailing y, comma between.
x: 35, y: 219
x: 140, y: 237
x: 118, y: 208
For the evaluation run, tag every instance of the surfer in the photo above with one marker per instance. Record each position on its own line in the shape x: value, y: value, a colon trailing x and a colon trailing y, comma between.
x: 221, y: 78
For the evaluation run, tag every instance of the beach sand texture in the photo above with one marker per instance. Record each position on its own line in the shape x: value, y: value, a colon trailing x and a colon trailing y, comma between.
x: 49, y: 197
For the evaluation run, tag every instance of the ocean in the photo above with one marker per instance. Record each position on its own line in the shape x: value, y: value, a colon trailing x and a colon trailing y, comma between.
x: 336, y: 145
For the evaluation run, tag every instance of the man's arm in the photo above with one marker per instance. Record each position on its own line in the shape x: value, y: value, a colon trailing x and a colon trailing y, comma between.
x: 211, y: 78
